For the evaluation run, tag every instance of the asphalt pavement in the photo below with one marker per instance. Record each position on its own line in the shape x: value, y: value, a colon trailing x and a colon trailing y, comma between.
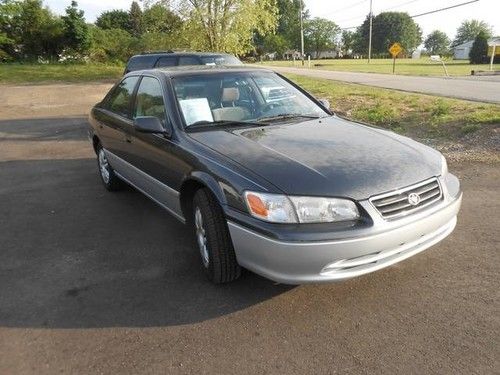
x: 475, y: 88
x: 100, y: 282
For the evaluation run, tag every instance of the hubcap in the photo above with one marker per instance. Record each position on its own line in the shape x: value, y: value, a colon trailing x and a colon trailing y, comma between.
x: 201, y: 236
x: 103, y: 166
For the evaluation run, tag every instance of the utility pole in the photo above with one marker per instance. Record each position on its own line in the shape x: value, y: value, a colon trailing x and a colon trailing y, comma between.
x: 302, y: 31
x: 493, y: 56
x: 370, y: 36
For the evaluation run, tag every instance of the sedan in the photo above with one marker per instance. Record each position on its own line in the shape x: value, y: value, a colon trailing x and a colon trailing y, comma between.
x: 268, y: 177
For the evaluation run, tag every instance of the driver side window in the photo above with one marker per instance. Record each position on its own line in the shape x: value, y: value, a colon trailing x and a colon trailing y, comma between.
x: 149, y: 99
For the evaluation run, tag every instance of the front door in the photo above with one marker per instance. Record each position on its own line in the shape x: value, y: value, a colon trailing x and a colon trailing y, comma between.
x: 155, y: 157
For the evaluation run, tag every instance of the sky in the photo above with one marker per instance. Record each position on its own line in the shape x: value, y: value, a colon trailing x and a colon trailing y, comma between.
x: 348, y: 13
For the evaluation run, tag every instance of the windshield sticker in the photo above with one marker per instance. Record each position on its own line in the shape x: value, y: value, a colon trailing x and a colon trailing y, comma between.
x: 196, y: 110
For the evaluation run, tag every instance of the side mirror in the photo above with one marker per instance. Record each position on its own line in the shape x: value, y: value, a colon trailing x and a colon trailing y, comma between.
x: 150, y: 124
x: 325, y: 103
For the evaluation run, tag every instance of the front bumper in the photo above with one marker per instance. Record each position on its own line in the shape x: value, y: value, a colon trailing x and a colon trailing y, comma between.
x: 386, y: 243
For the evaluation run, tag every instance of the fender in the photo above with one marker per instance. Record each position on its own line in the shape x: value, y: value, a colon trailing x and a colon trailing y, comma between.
x: 207, y: 180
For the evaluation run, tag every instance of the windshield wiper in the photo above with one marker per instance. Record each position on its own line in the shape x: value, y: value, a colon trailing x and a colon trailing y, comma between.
x: 285, y: 116
x: 209, y: 124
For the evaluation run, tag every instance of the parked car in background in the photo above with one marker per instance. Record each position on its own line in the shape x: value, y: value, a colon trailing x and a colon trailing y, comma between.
x: 269, y: 178
x: 150, y: 60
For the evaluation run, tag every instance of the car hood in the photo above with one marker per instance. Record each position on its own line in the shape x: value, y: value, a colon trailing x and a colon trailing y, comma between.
x: 327, y: 157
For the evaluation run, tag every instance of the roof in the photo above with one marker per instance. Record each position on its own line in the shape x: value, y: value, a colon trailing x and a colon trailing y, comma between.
x: 464, y: 45
x: 187, y: 70
x: 181, y: 53
x: 494, y: 40
x: 491, y: 41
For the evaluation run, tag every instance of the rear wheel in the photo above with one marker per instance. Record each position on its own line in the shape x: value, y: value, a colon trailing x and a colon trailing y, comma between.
x: 108, y: 177
x: 213, y: 238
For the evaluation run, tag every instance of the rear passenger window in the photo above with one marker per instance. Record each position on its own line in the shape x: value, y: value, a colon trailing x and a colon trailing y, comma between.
x: 119, y: 100
x: 141, y: 62
x: 166, y: 61
x: 149, y: 100
x: 188, y: 60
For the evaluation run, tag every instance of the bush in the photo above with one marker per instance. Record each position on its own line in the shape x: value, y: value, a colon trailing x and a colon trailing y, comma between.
x: 479, y: 51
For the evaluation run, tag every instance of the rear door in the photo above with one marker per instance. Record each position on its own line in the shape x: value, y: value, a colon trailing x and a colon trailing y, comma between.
x: 114, y: 117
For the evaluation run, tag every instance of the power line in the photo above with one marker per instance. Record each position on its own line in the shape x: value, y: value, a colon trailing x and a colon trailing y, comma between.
x: 440, y: 10
x: 421, y: 14
x: 400, y: 5
x: 359, y: 17
x: 346, y: 8
x: 350, y: 19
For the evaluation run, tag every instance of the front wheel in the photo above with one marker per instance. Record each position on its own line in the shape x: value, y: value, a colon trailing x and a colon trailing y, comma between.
x: 213, y: 238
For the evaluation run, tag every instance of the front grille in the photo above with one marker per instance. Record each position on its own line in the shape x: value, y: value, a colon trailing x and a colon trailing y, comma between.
x: 404, y: 201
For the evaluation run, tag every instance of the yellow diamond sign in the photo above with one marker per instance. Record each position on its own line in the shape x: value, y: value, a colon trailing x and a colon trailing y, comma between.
x: 395, y: 49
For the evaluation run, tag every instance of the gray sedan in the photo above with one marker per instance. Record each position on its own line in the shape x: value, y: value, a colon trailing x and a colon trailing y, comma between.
x: 270, y: 178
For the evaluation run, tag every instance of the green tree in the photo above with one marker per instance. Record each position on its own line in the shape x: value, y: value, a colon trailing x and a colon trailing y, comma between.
x: 437, y: 43
x: 470, y: 29
x: 76, y: 31
x: 289, y: 21
x: 159, y: 19
x: 161, y: 42
x: 113, y: 19
x: 111, y: 45
x: 320, y: 35
x: 29, y: 31
x: 227, y: 25
x: 135, y: 19
x: 275, y: 43
x: 9, y: 30
x: 348, y: 41
x: 479, y: 51
x: 389, y: 28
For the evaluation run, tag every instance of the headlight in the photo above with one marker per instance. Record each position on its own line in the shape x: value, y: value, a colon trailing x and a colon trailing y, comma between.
x: 444, y: 166
x: 271, y: 207
x: 282, y: 209
x: 324, y: 210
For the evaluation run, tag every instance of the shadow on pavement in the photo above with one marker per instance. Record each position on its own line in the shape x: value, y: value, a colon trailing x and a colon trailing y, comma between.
x: 73, y: 255
x: 72, y: 128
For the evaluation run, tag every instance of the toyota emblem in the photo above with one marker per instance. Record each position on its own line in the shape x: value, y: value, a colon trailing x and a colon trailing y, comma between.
x: 413, y: 199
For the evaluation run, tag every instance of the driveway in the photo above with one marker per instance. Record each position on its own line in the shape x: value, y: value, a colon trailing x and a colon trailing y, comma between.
x: 481, y: 88
x: 99, y: 282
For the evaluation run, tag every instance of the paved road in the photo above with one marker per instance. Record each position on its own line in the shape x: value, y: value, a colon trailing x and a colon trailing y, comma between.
x: 99, y: 282
x: 482, y: 89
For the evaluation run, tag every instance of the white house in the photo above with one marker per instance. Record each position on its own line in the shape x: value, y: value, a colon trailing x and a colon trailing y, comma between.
x: 461, y: 52
x: 329, y: 54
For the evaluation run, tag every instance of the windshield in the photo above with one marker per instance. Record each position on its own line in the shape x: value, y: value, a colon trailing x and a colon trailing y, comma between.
x: 247, y: 98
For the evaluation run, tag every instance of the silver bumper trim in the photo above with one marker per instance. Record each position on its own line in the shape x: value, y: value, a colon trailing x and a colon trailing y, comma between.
x: 326, y: 261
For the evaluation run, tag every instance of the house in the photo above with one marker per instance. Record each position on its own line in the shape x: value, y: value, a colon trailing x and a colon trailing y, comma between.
x: 328, y: 54
x: 461, y: 52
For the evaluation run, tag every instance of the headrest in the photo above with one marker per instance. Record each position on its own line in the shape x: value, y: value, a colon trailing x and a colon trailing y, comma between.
x: 230, y: 94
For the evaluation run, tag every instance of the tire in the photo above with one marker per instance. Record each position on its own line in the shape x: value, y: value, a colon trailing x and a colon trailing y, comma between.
x: 108, y: 177
x: 213, y: 239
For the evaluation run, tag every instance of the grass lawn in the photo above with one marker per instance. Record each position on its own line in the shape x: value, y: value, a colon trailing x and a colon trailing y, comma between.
x: 40, y: 73
x: 416, y: 115
x: 420, y: 67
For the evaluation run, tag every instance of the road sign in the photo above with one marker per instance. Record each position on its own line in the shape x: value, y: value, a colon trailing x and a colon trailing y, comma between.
x: 395, y: 49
